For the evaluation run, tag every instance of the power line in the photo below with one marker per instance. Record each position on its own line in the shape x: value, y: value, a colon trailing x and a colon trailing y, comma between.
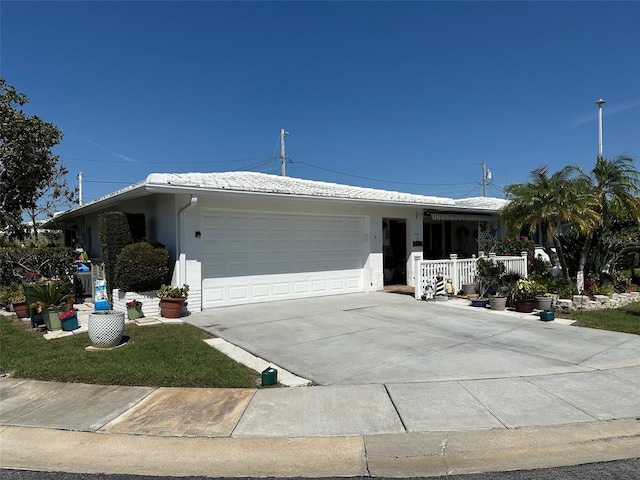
x: 377, y: 161
x: 383, y: 181
x: 163, y: 163
x: 105, y: 181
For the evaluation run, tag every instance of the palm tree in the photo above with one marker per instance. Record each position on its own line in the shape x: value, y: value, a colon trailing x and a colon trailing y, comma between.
x: 549, y: 202
x: 615, y: 191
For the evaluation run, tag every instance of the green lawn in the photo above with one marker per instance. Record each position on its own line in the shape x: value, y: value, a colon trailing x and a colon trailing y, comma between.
x: 156, y: 355
x: 173, y: 355
x: 625, y: 319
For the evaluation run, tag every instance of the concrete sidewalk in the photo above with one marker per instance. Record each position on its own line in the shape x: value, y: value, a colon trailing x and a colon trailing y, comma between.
x: 310, y: 431
x: 571, y: 398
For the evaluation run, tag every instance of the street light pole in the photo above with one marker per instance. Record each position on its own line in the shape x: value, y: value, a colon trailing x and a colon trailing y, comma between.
x: 600, y: 103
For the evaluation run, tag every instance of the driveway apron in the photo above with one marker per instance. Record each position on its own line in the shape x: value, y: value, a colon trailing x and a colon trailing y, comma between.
x: 382, y: 338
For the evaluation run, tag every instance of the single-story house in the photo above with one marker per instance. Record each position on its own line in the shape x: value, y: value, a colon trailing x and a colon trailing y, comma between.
x: 243, y: 237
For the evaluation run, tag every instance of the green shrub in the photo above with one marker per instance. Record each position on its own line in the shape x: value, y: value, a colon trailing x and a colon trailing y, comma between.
x: 137, y: 226
x: 41, y: 261
x: 11, y: 293
x: 564, y: 288
x: 114, y: 235
x: 141, y: 267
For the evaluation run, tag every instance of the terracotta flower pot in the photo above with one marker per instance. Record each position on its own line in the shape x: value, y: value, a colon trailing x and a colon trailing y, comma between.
x: 171, y: 307
x: 20, y: 309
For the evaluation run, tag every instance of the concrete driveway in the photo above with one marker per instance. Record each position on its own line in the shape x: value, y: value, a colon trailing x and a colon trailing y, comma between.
x: 383, y: 338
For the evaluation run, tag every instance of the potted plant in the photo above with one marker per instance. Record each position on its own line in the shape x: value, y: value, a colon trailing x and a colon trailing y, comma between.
x: 68, y: 320
x: 543, y: 301
x: 489, y: 272
x: 14, y: 295
x: 499, y: 300
x: 52, y: 296
x: 172, y: 300
x: 524, y: 294
x: 29, y: 281
x: 134, y: 309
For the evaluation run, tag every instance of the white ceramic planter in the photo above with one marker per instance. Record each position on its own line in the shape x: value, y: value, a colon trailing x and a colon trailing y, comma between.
x: 106, y: 328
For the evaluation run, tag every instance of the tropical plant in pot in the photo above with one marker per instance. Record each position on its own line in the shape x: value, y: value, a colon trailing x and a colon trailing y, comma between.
x: 52, y: 296
x: 172, y: 300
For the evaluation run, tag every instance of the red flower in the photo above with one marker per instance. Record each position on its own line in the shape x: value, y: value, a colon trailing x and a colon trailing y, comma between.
x: 65, y: 315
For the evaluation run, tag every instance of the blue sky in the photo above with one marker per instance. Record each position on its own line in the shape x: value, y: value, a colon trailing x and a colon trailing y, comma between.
x: 407, y: 96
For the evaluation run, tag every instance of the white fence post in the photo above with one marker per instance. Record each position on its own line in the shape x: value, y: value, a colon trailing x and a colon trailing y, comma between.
x: 417, y: 274
x: 525, y: 257
x: 455, y: 274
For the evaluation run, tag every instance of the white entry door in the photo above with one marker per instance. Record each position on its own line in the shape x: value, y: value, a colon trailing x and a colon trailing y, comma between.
x: 258, y: 257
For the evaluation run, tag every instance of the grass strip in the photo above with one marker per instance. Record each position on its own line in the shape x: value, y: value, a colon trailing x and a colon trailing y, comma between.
x: 624, y: 319
x: 167, y: 355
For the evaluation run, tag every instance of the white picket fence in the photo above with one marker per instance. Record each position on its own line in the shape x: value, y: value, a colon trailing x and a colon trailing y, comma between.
x: 462, y: 271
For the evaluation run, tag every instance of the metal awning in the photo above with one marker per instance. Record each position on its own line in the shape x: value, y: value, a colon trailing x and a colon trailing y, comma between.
x: 466, y: 217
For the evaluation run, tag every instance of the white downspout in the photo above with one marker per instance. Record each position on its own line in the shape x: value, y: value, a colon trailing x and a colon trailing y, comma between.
x: 180, y: 255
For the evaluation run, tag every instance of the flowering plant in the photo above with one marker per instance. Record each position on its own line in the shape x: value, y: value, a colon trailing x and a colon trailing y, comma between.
x: 65, y: 315
x: 524, y: 289
x: 29, y: 279
x: 134, y: 304
x: 167, y: 291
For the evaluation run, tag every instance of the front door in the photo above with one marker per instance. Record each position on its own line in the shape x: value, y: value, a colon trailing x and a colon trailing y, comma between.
x: 394, y: 234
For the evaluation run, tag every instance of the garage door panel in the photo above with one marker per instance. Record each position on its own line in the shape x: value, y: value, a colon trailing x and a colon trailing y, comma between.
x: 256, y: 257
x: 249, y: 289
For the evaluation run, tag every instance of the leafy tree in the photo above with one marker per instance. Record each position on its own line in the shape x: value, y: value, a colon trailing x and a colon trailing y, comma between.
x: 51, y: 197
x: 550, y: 201
x: 615, y: 192
x: 28, y: 168
x: 602, y: 206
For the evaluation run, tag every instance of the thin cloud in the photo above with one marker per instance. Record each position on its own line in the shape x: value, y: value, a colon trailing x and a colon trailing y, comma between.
x: 111, y: 152
x: 612, y: 110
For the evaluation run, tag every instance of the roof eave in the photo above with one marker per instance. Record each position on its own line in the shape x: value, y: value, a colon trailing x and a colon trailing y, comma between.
x: 60, y: 221
x: 183, y: 189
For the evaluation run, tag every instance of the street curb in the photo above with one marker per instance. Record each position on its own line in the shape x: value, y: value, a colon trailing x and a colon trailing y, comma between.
x: 391, y: 455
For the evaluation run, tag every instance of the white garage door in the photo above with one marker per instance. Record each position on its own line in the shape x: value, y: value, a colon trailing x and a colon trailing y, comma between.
x: 258, y: 257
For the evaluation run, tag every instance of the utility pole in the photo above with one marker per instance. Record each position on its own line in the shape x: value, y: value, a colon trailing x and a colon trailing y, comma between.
x: 600, y: 103
x: 80, y: 188
x: 283, y: 158
x: 485, y: 174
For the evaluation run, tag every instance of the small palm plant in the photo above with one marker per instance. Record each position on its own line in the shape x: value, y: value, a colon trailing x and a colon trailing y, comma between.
x: 52, y: 294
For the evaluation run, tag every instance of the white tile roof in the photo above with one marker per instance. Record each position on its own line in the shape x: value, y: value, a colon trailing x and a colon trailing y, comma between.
x: 278, y: 185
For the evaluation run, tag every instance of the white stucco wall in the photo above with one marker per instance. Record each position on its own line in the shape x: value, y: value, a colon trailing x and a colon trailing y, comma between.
x: 373, y: 215
x: 175, y: 221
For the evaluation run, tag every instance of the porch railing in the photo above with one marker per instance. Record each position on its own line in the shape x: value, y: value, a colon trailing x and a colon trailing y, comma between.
x: 462, y: 271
